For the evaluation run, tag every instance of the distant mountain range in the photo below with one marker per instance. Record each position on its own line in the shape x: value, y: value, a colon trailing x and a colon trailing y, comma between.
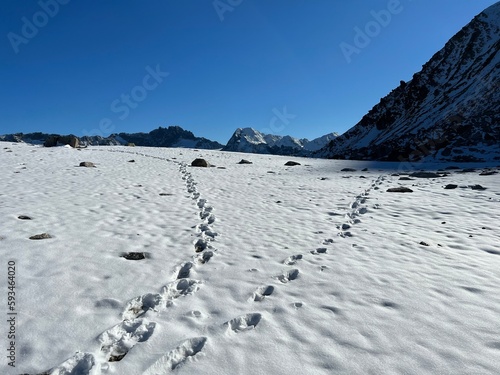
x: 173, y: 136
x: 243, y: 140
x: 449, y: 111
x: 252, y: 141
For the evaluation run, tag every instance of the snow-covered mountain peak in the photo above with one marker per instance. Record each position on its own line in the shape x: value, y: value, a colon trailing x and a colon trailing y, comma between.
x: 252, y: 141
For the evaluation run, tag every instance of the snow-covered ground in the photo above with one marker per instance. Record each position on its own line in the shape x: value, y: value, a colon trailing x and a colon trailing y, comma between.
x: 303, y: 270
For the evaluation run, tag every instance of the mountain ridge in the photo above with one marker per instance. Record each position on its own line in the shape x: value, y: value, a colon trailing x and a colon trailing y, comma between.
x: 448, y: 111
x: 250, y: 140
x: 172, y: 136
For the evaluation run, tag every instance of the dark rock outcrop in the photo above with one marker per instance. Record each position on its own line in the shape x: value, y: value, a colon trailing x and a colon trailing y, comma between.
x: 57, y: 140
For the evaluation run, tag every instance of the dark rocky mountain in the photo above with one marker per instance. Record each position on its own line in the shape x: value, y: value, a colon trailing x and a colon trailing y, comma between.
x: 173, y: 136
x: 450, y: 110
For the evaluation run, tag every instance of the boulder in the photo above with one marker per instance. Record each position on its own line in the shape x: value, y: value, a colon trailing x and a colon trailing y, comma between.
x: 244, y: 161
x: 41, y: 236
x: 51, y: 141
x: 425, y: 175
x: 451, y: 186
x: 134, y: 256
x: 348, y: 170
x: 200, y: 163
x: 87, y: 164
x: 291, y: 163
x: 487, y: 173
x: 69, y: 140
x: 400, y: 189
x: 477, y: 187
x: 55, y: 140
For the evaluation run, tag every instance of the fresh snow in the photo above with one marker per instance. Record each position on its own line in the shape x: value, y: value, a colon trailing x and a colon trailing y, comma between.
x: 303, y: 270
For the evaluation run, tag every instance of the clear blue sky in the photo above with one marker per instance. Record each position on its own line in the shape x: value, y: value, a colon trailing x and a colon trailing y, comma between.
x: 230, y: 63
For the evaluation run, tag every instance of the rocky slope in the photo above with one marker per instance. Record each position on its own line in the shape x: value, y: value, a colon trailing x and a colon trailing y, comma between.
x: 450, y: 110
x: 252, y: 141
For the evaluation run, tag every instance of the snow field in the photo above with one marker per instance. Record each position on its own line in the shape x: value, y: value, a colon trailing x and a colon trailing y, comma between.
x: 250, y: 269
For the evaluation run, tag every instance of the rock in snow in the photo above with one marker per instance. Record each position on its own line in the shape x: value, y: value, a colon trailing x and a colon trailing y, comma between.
x: 200, y: 163
x: 41, y: 236
x: 400, y: 189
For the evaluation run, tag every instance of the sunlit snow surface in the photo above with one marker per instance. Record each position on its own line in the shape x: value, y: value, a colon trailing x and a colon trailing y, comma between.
x: 300, y: 270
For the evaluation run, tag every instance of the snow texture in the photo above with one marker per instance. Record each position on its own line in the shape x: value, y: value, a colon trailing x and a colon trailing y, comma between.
x: 303, y: 270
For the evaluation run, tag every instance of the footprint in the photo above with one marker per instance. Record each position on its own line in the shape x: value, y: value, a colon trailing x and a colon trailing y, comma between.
x: 142, y: 304
x: 80, y: 363
x: 288, y: 276
x: 205, y: 256
x: 178, y: 288
x: 291, y: 260
x: 200, y: 245
x: 262, y: 292
x: 319, y: 250
x: 205, y: 213
x: 244, y: 322
x: 177, y: 357
x: 332, y: 309
x: 117, y: 341
x: 184, y: 270
x: 205, y: 229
